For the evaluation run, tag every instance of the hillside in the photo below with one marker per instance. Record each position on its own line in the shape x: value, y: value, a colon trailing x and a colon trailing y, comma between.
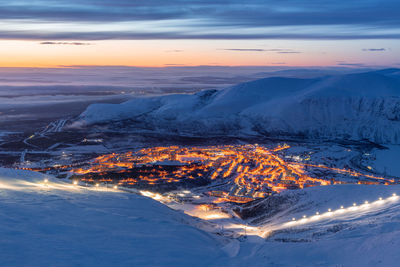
x: 59, y: 224
x: 62, y: 224
x: 352, y: 106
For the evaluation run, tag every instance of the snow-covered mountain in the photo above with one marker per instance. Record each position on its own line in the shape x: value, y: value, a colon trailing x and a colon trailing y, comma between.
x: 352, y: 106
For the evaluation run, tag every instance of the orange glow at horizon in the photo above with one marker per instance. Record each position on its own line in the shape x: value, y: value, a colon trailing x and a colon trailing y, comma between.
x: 161, y: 53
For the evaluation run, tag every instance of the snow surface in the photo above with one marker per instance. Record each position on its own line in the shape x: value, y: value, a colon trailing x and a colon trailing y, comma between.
x: 367, y: 236
x: 351, y: 106
x: 59, y: 224
x: 387, y: 160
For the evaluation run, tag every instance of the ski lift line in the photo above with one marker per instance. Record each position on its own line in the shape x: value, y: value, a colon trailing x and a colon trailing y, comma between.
x: 366, y: 205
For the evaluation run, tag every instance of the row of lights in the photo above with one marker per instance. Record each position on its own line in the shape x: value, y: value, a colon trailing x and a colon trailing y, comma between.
x: 75, y: 182
x: 342, y: 209
x: 316, y: 216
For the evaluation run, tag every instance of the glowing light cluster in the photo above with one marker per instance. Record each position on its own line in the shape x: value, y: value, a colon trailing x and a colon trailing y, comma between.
x: 152, y: 195
x: 256, y: 170
x: 253, y: 171
x: 207, y: 213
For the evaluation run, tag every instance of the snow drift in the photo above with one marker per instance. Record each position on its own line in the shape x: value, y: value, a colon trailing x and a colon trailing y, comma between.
x: 352, y: 106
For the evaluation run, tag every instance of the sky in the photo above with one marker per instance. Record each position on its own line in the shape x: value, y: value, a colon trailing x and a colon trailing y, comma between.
x: 159, y: 33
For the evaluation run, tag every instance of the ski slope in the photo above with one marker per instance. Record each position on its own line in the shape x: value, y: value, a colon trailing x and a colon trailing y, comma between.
x: 367, y: 234
x: 61, y: 224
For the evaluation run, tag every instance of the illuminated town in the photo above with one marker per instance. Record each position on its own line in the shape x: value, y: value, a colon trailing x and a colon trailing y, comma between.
x: 230, y: 173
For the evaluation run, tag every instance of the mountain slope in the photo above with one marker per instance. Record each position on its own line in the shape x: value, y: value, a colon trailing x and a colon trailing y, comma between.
x: 361, y: 235
x: 352, y: 106
x: 59, y: 224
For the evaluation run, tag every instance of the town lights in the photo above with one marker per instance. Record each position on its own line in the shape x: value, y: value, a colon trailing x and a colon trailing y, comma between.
x: 317, y: 213
x: 341, y: 207
x: 380, y: 198
x: 97, y: 185
x: 304, y: 216
x: 46, y: 180
x: 293, y: 219
x: 354, y: 204
x: 75, y: 182
x: 366, y: 202
x: 115, y: 187
x: 329, y: 210
x: 394, y: 194
x: 268, y: 169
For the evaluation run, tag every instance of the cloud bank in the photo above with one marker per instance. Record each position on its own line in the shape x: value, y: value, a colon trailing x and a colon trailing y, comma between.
x: 374, y: 49
x: 64, y: 43
x: 199, y: 19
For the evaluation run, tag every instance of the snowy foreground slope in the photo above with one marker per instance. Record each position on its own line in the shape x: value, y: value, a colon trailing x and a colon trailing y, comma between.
x: 59, y: 224
x: 351, y: 106
x: 361, y: 235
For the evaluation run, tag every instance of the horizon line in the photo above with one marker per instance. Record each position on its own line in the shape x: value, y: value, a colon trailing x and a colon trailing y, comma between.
x: 339, y: 65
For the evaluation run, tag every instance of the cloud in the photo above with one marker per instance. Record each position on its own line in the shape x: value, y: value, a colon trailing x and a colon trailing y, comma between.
x: 374, y: 49
x: 64, y: 43
x: 277, y: 50
x: 199, y: 19
x: 244, y: 49
x: 289, y: 52
x: 121, y: 35
x: 342, y: 63
x: 173, y: 51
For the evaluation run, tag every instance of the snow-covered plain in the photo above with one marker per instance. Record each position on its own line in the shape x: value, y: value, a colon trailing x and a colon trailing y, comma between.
x: 60, y: 224
x: 351, y: 106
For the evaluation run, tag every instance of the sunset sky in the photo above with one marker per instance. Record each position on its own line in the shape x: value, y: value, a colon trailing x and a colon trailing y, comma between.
x: 58, y: 33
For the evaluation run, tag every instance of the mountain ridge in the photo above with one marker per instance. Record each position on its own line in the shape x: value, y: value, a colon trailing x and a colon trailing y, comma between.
x: 351, y: 106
